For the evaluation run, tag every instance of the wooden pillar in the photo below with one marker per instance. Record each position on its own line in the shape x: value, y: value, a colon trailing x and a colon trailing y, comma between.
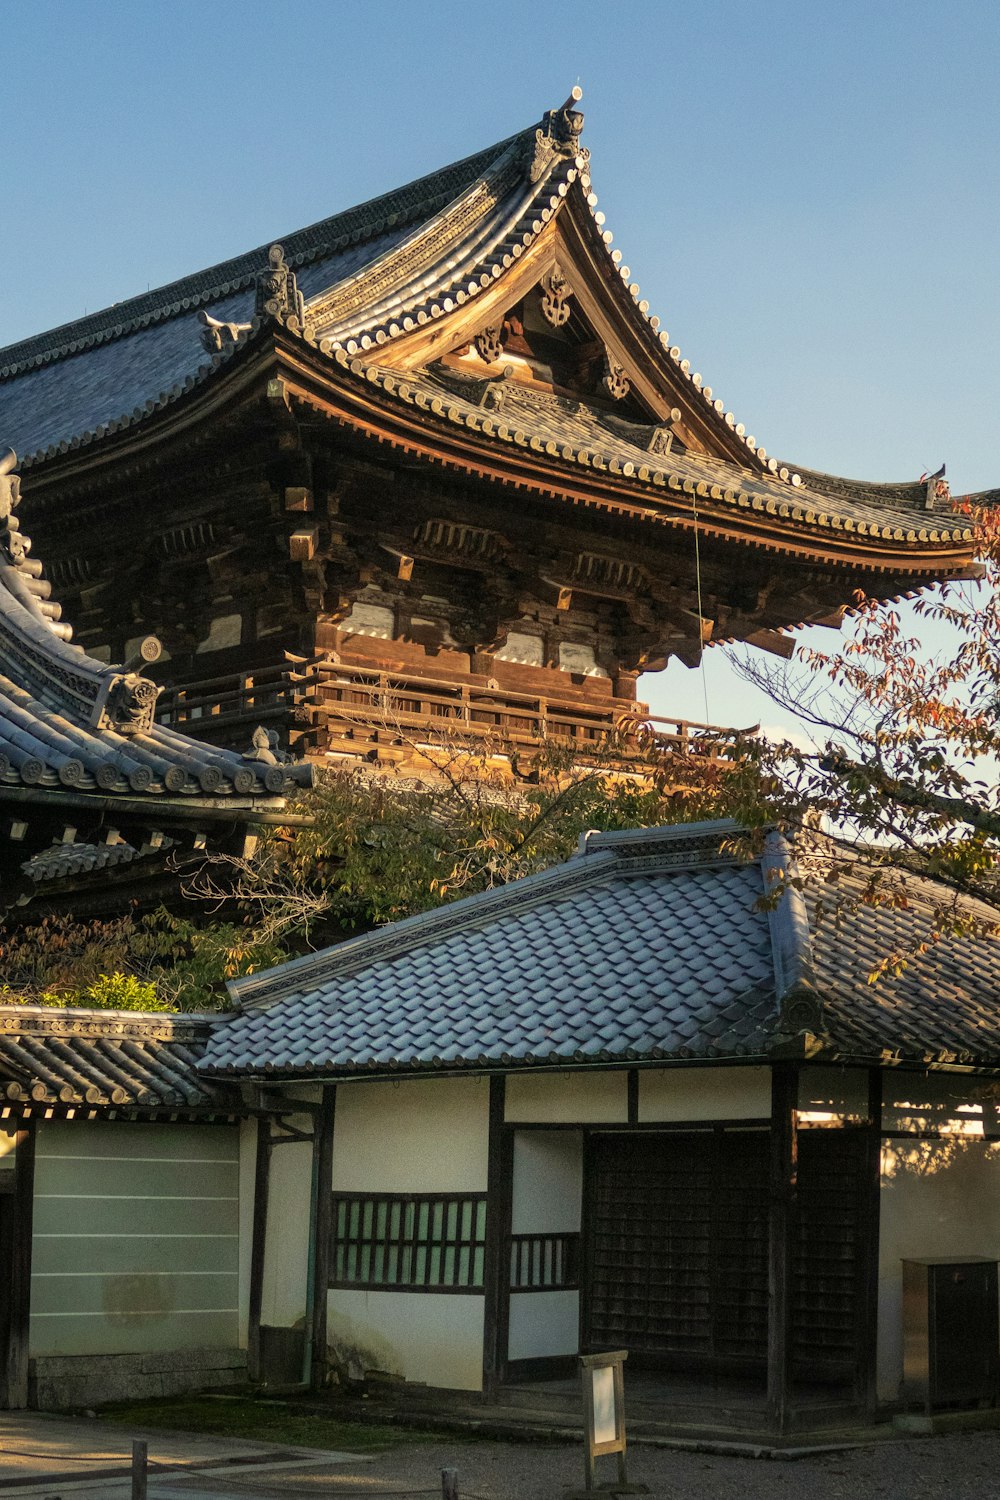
x: 20, y: 1269
x: 781, y: 1246
x: 866, y: 1377
x: 261, y: 1181
x: 496, y: 1269
x: 323, y: 1147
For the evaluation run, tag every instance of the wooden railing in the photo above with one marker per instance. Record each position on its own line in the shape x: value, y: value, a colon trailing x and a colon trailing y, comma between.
x: 361, y: 714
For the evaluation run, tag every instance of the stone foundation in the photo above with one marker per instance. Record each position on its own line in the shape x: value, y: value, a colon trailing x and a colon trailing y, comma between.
x: 57, y: 1382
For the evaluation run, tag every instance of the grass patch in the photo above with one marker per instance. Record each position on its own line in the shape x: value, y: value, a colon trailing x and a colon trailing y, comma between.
x: 261, y: 1421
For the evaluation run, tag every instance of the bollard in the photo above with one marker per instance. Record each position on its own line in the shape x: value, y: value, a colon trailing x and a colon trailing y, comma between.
x: 449, y: 1484
x: 139, y: 1452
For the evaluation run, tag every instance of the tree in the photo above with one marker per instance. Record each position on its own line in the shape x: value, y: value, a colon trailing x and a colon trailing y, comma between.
x: 899, y: 754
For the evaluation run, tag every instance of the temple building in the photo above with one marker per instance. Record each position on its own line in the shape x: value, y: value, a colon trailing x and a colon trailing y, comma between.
x: 429, y: 462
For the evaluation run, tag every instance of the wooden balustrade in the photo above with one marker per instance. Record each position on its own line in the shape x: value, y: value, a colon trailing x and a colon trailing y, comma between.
x: 362, y: 714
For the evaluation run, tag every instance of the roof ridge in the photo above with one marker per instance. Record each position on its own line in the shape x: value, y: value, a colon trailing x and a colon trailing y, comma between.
x: 352, y: 225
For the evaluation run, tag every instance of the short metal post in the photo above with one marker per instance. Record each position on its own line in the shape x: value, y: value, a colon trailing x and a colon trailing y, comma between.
x: 449, y: 1484
x: 139, y: 1469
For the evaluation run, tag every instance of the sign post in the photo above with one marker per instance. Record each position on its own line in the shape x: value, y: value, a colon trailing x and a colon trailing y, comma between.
x: 604, y: 1423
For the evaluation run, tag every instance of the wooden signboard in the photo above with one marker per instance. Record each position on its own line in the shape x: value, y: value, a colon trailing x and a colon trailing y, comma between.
x: 604, y: 1423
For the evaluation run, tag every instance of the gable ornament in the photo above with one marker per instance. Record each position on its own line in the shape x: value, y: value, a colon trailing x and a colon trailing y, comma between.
x: 614, y: 382
x: 556, y: 292
x: 488, y: 343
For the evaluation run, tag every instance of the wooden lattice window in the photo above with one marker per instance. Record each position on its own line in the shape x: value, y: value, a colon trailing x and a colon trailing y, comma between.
x: 415, y: 1242
x: 544, y: 1262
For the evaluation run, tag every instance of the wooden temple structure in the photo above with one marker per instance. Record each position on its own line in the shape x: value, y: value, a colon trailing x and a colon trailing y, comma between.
x: 429, y: 464
x: 94, y: 793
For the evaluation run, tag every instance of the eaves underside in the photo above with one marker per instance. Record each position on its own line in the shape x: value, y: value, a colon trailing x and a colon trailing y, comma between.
x: 391, y: 410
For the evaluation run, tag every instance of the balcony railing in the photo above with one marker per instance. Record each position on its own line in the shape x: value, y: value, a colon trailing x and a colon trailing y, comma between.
x: 351, y: 713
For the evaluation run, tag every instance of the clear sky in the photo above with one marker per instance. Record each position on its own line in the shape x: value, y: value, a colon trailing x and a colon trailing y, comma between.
x: 808, y: 194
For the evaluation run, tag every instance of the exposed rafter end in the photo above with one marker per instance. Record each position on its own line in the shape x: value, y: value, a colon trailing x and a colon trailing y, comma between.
x: 774, y: 642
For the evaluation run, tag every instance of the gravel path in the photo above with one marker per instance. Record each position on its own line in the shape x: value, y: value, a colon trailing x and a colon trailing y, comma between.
x: 964, y: 1467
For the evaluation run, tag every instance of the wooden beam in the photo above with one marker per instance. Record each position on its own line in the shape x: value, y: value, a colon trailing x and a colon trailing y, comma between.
x: 20, y: 1269
x: 866, y: 1369
x: 632, y: 1095
x: 323, y: 1147
x: 774, y: 642
x: 496, y: 1270
x: 781, y: 1241
x: 261, y: 1183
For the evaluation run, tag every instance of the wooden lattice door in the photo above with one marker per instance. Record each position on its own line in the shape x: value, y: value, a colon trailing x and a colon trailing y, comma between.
x: 677, y: 1244
x: 677, y: 1249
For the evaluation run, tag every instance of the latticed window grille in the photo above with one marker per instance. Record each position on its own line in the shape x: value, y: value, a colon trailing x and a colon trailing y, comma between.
x: 424, y: 1242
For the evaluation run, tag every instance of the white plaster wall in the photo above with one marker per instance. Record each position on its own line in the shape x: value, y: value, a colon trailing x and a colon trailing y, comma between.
x: 937, y: 1198
x: 286, y: 1252
x: 416, y: 1136
x: 543, y: 1323
x: 583, y: 1098
x: 434, y: 1339
x: 704, y: 1094
x: 546, y: 1199
x: 548, y: 1181
x: 248, y: 1162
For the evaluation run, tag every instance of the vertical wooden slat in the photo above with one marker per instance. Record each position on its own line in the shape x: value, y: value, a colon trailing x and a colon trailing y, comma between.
x: 323, y: 1147
x: 20, y: 1269
x: 781, y: 1241
x: 496, y: 1284
x: 632, y: 1094
x: 866, y: 1382
x: 262, y: 1172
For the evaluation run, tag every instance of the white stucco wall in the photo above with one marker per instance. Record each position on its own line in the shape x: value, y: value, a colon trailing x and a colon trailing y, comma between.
x: 937, y: 1198
x: 585, y: 1098
x: 547, y: 1193
x: 248, y: 1152
x: 544, y: 1324
x: 436, y: 1340
x: 704, y: 1094
x: 286, y: 1247
x: 548, y: 1181
x: 415, y: 1136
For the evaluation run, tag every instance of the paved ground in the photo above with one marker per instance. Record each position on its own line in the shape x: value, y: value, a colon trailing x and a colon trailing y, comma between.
x: 965, y: 1467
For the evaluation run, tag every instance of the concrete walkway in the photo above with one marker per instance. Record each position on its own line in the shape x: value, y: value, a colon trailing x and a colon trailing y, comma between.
x: 50, y: 1456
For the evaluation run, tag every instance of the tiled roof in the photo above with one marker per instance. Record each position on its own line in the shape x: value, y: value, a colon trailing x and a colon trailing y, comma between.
x: 651, y: 945
x: 108, y: 1060
x: 590, y: 437
x: 76, y: 726
x: 374, y: 274
x: 105, y: 368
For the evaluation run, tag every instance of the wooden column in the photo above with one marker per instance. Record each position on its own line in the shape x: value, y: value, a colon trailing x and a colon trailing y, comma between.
x: 866, y: 1382
x: 781, y: 1247
x: 261, y: 1181
x: 496, y: 1270
x: 20, y: 1269
x: 323, y: 1147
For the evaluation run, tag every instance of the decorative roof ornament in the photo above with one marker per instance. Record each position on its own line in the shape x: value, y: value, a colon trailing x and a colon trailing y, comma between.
x: 556, y: 292
x: 488, y: 343
x: 558, y: 138
x: 278, y: 294
x: 614, y: 382
x: 217, y: 336
x: 128, y: 701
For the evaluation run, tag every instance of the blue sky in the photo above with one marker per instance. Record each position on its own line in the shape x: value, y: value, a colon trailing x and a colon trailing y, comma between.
x: 808, y: 195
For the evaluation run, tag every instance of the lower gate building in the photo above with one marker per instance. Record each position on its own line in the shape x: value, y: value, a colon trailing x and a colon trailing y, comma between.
x: 621, y: 1104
